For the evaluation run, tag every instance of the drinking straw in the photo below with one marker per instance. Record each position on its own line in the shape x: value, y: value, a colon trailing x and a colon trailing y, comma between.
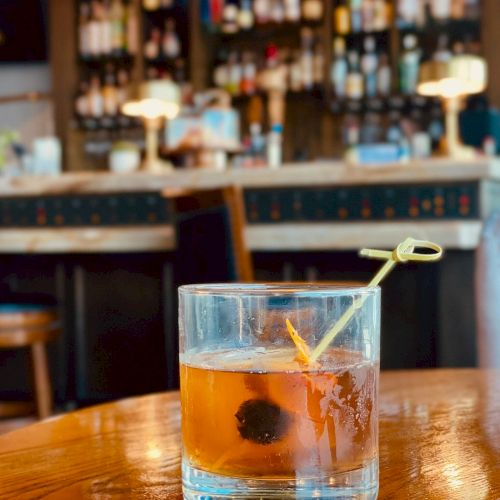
x: 404, y: 252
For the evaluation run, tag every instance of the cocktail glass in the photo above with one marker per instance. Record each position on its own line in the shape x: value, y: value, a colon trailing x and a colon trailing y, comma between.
x: 260, y: 419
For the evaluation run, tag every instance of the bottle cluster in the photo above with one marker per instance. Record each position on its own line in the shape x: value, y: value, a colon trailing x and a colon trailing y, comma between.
x: 108, y: 28
x: 299, y: 69
x: 232, y: 16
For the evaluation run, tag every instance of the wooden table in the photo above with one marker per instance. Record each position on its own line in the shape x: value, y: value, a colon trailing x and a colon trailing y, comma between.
x: 439, y: 439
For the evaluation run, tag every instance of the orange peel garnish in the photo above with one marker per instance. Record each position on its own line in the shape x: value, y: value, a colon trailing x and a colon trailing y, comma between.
x: 301, y: 345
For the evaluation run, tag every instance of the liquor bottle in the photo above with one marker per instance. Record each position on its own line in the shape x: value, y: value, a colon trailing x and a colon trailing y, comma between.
x: 110, y: 93
x: 292, y: 10
x: 132, y: 36
x: 409, y: 64
x: 318, y: 65
x: 230, y: 17
x: 307, y: 58
x: 472, y: 9
x: 312, y: 10
x: 380, y: 15
x: 356, y: 16
x: 394, y: 133
x: 354, y: 79
x: 370, y: 131
x: 442, y: 53
x: 123, y: 87
x: 295, y: 73
x: 83, y: 30
x: 369, y: 63
x: 82, y: 108
x: 408, y: 13
x: 221, y: 73
x: 152, y: 46
x: 261, y: 10
x: 117, y: 16
x: 277, y: 12
x: 384, y: 76
x: 235, y: 74
x: 341, y: 18
x: 96, y: 101
x: 179, y: 75
x: 94, y: 30
x: 368, y: 15
x: 249, y: 74
x: 351, y: 130
x: 339, y: 68
x: 245, y: 15
x: 458, y: 9
x: 151, y: 4
x: 216, y: 9
x: 171, y: 45
x: 106, y: 29
x: 441, y: 9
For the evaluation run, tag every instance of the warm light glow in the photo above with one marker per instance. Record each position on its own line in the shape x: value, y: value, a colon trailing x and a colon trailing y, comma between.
x: 151, y: 109
x: 462, y: 75
x: 447, y: 88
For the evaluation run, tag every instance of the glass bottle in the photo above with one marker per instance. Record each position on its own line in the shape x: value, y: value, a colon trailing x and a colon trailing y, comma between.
x: 96, y: 101
x: 117, y: 16
x: 109, y: 93
x: 409, y: 64
x: 369, y: 63
x: 230, y: 17
x: 441, y: 9
x: 106, y: 29
x: 312, y: 10
x: 152, y: 46
x: 94, y: 29
x: 245, y: 15
x: 318, y: 65
x: 384, y: 76
x: 368, y: 15
x: 341, y: 18
x: 354, y: 80
x: 307, y: 58
x: 171, y: 44
x: 356, y: 16
x: 261, y: 10
x: 83, y: 30
x: 292, y: 10
x: 132, y: 37
x: 339, y: 68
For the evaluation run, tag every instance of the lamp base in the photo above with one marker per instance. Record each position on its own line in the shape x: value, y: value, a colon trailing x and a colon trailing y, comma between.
x: 157, y: 166
x: 459, y: 152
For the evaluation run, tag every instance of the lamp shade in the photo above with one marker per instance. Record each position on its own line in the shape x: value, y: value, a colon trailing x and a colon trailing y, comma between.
x: 461, y: 75
x: 155, y: 99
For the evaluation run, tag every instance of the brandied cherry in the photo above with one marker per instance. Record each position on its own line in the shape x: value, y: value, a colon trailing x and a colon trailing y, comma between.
x: 261, y: 421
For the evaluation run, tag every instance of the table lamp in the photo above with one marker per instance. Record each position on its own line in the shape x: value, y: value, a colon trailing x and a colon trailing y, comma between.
x: 452, y: 80
x: 156, y: 101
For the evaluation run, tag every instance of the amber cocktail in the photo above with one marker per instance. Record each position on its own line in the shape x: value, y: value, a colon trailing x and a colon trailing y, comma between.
x: 259, y: 421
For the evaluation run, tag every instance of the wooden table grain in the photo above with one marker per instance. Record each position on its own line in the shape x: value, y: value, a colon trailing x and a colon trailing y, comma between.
x: 439, y: 439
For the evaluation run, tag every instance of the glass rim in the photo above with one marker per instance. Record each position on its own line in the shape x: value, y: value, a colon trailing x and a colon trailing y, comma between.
x: 278, y: 289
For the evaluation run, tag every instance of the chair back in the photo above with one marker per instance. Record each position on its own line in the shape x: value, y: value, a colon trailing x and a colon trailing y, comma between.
x: 211, y: 243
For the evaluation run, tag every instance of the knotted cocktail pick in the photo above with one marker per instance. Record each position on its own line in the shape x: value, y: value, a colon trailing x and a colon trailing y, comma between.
x: 404, y: 252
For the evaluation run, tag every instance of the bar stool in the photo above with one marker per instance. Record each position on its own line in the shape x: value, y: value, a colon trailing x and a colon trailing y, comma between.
x: 30, y: 325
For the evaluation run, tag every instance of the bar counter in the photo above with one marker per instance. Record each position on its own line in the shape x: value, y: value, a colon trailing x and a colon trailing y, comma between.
x: 107, y: 247
x: 283, y: 234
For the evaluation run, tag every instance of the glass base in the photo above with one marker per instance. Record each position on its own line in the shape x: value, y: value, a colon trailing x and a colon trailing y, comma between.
x: 360, y: 484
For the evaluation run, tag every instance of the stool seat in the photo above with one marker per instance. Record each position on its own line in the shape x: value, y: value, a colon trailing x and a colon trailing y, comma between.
x: 24, y: 322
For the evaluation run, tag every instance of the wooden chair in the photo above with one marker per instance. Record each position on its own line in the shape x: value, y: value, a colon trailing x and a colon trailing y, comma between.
x: 24, y: 325
x: 193, y: 205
